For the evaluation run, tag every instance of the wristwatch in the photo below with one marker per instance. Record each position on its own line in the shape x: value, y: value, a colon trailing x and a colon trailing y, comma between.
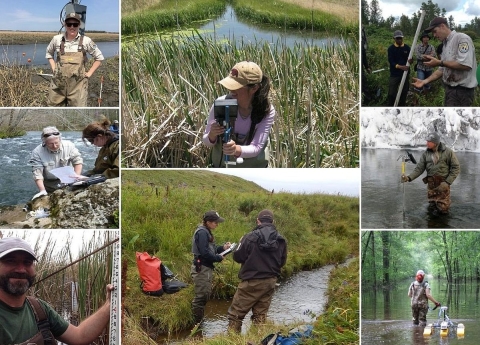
x: 441, y: 63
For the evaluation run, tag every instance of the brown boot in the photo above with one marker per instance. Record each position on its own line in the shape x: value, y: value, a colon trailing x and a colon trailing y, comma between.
x: 198, y: 315
x: 235, y: 326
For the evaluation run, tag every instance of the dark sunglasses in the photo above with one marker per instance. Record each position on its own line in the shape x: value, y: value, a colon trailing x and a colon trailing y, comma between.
x: 72, y: 24
x: 90, y: 140
x: 50, y: 134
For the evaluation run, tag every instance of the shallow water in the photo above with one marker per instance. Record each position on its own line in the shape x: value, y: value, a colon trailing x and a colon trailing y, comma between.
x: 16, y: 182
x: 386, y: 316
x: 383, y: 195
x: 12, y: 54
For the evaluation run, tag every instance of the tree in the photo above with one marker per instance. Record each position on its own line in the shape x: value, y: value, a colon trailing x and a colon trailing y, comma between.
x: 365, y: 12
x: 375, y: 13
x: 451, y: 22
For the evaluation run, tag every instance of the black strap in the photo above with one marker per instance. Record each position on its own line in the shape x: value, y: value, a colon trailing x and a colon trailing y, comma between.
x: 42, y: 320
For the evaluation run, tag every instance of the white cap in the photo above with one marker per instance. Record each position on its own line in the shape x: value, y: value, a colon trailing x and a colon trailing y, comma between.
x: 14, y: 244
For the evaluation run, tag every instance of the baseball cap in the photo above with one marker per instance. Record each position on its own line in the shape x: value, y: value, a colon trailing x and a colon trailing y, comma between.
x: 397, y: 33
x: 73, y: 15
x: 13, y: 244
x: 266, y: 216
x: 420, y: 272
x: 433, y: 137
x: 212, y: 216
x: 436, y: 22
x: 424, y: 34
x: 242, y: 74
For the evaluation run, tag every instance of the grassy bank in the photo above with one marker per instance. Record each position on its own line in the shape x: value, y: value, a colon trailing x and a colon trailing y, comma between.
x: 23, y: 87
x: 160, y: 211
x: 145, y: 16
x: 170, y: 87
x: 32, y: 37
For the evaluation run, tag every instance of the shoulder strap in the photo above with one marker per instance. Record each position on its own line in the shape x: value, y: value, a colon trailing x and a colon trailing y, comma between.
x: 82, y: 49
x: 62, y: 46
x: 42, y: 320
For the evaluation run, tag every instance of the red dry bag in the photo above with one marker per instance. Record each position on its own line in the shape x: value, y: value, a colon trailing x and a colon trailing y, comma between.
x: 149, y: 270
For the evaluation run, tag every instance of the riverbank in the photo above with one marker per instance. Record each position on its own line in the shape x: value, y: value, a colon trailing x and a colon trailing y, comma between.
x: 334, y: 16
x: 160, y: 210
x: 32, y: 37
x: 23, y: 86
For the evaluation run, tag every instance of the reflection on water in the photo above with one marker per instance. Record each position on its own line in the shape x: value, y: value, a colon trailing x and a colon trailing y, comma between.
x: 16, y: 181
x: 386, y: 315
x: 13, y: 54
x: 384, y: 198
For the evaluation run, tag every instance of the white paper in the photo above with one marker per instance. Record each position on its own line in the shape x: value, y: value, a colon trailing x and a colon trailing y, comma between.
x: 229, y: 250
x: 64, y: 174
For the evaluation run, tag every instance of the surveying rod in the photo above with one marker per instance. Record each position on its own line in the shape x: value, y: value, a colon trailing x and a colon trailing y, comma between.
x: 404, y: 76
x: 115, y: 322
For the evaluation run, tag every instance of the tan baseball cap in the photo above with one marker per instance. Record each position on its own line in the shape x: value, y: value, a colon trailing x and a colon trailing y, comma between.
x: 242, y: 74
x: 74, y: 16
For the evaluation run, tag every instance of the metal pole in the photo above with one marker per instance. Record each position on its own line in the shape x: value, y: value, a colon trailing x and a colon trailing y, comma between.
x: 404, y: 76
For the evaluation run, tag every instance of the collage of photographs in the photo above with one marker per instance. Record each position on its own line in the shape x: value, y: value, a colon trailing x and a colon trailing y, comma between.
x: 236, y: 172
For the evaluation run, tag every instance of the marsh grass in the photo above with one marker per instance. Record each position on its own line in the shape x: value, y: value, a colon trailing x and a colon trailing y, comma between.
x: 169, y: 86
x: 162, y: 223
x: 91, y: 274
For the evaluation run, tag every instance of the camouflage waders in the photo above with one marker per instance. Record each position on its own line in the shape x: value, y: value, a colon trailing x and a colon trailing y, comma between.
x: 438, y: 194
x: 69, y: 85
x: 419, y: 304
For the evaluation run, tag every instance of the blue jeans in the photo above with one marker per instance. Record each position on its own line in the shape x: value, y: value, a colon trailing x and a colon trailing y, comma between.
x: 422, y: 75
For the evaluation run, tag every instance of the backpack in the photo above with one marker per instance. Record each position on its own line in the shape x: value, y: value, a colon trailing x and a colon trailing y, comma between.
x: 149, y: 270
x: 156, y: 277
x: 294, y: 337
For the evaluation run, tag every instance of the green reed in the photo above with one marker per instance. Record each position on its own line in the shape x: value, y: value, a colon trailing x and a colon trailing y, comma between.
x: 170, y: 84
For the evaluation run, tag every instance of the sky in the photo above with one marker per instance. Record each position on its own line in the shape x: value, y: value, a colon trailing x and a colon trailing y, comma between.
x: 463, y: 11
x: 44, y: 15
x: 326, y: 181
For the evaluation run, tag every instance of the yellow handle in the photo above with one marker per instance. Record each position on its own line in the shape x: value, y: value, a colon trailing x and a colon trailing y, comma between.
x: 403, y: 168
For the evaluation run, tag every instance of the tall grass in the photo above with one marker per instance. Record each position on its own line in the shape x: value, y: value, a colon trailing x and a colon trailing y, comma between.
x: 169, y: 86
x: 163, y: 223
x: 92, y: 274
x: 168, y: 14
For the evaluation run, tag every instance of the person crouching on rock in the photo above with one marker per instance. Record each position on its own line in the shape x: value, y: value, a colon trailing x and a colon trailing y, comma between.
x: 99, y: 134
x: 53, y: 152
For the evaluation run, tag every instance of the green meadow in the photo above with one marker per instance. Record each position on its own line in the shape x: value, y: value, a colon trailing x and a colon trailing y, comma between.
x: 161, y: 209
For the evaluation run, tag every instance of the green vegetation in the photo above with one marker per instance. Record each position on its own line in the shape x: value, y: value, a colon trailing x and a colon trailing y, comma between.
x: 379, y: 33
x: 390, y: 257
x: 92, y: 273
x: 170, y: 87
x: 144, y: 16
x: 161, y: 209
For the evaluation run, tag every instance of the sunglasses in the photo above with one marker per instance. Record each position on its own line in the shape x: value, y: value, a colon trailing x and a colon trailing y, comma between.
x: 72, y: 24
x: 50, y: 134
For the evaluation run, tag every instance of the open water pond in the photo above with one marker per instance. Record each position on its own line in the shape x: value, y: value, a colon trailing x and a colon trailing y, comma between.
x: 12, y: 54
x: 383, y: 194
x: 386, y: 315
x: 228, y: 27
x: 16, y: 181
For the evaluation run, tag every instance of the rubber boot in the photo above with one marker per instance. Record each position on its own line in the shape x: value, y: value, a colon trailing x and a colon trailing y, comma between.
x: 198, y: 315
x: 235, y: 326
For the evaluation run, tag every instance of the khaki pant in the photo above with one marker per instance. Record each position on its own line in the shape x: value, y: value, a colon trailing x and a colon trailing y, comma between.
x: 69, y: 87
x: 203, y: 288
x: 254, y: 294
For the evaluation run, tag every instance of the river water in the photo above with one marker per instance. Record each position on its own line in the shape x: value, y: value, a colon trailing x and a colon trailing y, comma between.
x: 16, y: 182
x: 298, y: 299
x: 12, y: 54
x: 386, y: 315
x: 383, y: 194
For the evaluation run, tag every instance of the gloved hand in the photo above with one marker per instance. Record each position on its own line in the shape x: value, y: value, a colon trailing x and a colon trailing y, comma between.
x: 438, y: 304
x: 39, y: 194
x: 405, y: 178
x: 442, y: 187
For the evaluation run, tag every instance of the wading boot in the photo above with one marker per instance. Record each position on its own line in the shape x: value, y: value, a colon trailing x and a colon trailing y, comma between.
x: 198, y: 315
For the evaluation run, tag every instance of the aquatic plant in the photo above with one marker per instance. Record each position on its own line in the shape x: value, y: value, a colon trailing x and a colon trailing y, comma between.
x: 169, y: 85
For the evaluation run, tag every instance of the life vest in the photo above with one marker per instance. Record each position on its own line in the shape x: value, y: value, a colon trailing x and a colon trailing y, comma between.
x: 44, y: 335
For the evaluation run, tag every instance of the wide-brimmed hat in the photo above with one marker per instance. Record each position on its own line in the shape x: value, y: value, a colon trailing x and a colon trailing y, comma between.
x: 74, y: 16
x: 242, y: 74
x: 14, y: 244
x: 212, y: 216
x: 436, y: 22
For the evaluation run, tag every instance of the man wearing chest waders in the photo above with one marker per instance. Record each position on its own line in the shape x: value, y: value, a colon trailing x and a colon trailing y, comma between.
x: 419, y: 291
x: 69, y: 85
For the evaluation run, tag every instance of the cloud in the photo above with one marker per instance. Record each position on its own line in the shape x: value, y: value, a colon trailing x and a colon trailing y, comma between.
x: 472, y: 7
x: 21, y: 15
